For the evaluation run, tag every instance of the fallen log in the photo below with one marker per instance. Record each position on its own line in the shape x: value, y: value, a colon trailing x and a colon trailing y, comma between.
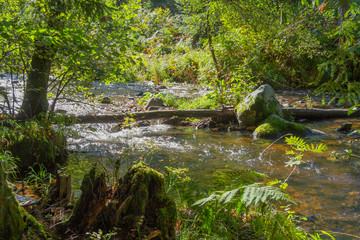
x: 227, y: 114
x: 155, y: 115
x: 319, y: 113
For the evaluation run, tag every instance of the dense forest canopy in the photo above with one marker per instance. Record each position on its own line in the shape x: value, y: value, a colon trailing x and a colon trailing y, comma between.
x: 225, y: 44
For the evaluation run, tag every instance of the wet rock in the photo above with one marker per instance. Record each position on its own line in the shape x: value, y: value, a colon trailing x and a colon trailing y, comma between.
x: 344, y: 127
x: 257, y: 106
x: 105, y: 100
x: 161, y: 87
x: 139, y: 94
x: 2, y: 75
x: 275, y: 126
x: 355, y: 134
x: 154, y: 102
x: 287, y: 105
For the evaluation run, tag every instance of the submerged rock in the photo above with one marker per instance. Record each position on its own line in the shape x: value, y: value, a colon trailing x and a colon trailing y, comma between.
x: 344, y: 127
x: 154, y: 104
x: 275, y: 126
x: 257, y: 106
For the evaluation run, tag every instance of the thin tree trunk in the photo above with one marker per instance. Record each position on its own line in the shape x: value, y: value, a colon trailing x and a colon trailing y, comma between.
x: 35, y: 96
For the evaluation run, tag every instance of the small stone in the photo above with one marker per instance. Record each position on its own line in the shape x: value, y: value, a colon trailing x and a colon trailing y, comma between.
x: 355, y: 133
x: 140, y: 94
x: 105, y: 100
x: 155, y: 102
x: 287, y: 105
x: 344, y: 127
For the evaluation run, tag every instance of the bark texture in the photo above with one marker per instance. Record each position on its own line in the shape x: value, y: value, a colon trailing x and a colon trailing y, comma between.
x: 137, y: 208
x: 35, y: 96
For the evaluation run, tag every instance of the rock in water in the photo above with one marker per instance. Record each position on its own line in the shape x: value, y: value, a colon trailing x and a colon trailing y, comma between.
x: 344, y: 127
x: 154, y: 104
x: 275, y: 126
x: 106, y: 100
x: 257, y: 106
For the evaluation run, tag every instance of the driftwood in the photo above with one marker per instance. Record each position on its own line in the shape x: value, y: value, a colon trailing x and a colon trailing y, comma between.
x: 225, y: 114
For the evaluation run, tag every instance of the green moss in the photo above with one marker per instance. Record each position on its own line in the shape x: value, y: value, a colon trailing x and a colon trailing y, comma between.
x: 15, y: 222
x: 275, y: 126
x: 143, y: 203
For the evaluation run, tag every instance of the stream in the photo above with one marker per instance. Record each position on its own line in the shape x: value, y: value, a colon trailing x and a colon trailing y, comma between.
x: 327, y: 189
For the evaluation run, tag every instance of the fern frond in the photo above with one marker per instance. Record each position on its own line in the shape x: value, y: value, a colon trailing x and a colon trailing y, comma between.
x: 255, y: 194
x: 236, y: 178
x: 228, y: 195
x: 203, y: 201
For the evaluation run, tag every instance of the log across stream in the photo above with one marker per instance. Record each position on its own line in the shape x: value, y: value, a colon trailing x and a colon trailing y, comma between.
x: 297, y: 113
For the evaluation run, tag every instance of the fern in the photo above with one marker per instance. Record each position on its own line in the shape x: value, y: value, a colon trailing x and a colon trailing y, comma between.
x: 299, y: 144
x: 255, y: 194
x: 237, y: 178
x: 252, y: 194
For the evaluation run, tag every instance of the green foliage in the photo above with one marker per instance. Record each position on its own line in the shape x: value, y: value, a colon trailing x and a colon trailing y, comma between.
x: 9, y: 163
x: 204, y: 102
x: 91, y: 39
x: 35, y: 142
x: 39, y: 179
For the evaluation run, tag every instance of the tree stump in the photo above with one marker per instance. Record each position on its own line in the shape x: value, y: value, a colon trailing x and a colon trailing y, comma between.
x: 139, y: 207
x: 91, y: 202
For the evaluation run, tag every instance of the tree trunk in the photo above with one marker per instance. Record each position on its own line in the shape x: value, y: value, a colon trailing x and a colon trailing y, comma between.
x: 35, y: 96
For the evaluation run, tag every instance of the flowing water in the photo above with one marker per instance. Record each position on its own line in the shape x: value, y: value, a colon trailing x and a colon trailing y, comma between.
x: 327, y: 189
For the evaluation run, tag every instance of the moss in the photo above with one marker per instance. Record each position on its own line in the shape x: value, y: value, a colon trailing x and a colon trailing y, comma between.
x: 142, y: 204
x: 257, y: 106
x: 15, y: 222
x: 275, y: 126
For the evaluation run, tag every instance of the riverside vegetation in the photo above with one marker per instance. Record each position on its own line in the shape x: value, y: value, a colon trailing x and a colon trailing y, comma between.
x: 58, y: 48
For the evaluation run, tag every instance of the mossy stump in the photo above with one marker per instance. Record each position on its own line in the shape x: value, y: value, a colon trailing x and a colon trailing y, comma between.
x: 35, y: 145
x: 15, y: 222
x: 140, y: 206
x: 91, y: 202
x: 60, y: 191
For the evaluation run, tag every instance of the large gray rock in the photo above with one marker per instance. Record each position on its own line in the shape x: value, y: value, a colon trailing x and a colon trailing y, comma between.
x: 154, y: 104
x: 257, y: 106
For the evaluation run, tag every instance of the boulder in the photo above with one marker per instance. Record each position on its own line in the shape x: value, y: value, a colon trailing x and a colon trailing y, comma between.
x: 155, y: 103
x: 344, y: 127
x: 275, y: 126
x: 257, y: 106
